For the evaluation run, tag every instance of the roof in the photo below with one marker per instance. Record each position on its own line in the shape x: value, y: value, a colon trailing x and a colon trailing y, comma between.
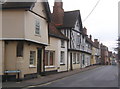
x: 54, y: 32
x: 14, y: 4
x: 96, y: 45
x: 70, y: 18
x: 89, y: 41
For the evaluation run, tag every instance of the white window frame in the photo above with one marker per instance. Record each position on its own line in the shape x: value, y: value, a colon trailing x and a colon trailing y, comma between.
x: 49, y: 58
x: 62, y: 57
x: 62, y: 44
x: 74, y: 58
x: 78, y: 58
x: 32, y: 58
x: 37, y: 27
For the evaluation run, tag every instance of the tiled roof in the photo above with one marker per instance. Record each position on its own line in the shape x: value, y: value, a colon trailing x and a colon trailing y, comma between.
x: 96, y: 45
x: 89, y: 41
x: 92, y: 43
x: 55, y: 32
x: 70, y: 18
x: 17, y: 5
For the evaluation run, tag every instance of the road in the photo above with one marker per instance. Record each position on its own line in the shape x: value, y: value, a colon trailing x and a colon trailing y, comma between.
x: 105, y: 76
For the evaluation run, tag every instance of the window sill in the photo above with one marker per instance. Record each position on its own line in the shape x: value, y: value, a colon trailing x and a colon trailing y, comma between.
x: 74, y: 63
x: 38, y: 35
x: 62, y: 64
x: 32, y: 66
x: 49, y: 66
x: 62, y: 47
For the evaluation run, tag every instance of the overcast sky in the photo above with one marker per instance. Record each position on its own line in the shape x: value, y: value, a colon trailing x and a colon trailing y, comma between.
x: 102, y: 24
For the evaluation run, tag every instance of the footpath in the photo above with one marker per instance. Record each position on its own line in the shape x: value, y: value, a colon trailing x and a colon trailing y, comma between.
x: 45, y: 79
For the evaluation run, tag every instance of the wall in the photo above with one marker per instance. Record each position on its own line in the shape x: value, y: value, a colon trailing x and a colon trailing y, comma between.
x: 30, y: 19
x: 63, y: 67
x: 13, y: 24
x: 77, y: 65
x: 20, y: 63
x: 1, y: 57
x: 53, y: 46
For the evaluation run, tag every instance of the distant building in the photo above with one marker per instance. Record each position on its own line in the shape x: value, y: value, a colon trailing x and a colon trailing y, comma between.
x: 104, y: 55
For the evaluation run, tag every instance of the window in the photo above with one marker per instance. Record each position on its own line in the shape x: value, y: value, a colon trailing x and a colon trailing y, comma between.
x: 32, y: 57
x: 62, y: 57
x: 78, y: 39
x: 19, y: 49
x: 49, y: 58
x: 74, y: 58
x: 62, y: 43
x: 78, y: 58
x: 83, y: 59
x: 37, y: 27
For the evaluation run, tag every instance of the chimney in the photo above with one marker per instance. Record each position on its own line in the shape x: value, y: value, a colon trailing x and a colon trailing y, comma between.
x: 58, y: 13
x: 85, y: 30
x: 96, y: 40
x: 90, y: 37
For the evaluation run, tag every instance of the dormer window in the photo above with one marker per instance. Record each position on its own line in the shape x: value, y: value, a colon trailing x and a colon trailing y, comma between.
x: 37, y: 27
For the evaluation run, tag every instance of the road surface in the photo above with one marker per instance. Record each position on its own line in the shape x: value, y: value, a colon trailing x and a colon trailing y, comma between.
x: 105, y: 76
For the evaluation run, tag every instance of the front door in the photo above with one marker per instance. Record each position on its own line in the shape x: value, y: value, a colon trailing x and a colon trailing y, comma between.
x: 71, y: 61
x: 39, y: 61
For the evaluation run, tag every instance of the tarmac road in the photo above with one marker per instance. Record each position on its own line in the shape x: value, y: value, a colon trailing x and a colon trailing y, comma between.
x: 105, y: 76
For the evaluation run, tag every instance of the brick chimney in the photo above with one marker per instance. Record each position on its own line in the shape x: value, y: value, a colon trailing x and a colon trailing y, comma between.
x: 85, y: 30
x: 58, y: 13
x: 96, y: 40
x: 90, y: 37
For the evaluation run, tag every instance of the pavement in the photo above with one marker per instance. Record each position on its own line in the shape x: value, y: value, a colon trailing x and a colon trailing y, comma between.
x: 45, y: 79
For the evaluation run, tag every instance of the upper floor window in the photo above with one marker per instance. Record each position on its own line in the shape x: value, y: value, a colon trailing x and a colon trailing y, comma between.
x: 62, y: 43
x: 37, y: 27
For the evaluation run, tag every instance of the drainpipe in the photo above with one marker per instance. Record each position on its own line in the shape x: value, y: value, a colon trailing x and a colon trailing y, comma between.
x: 67, y: 55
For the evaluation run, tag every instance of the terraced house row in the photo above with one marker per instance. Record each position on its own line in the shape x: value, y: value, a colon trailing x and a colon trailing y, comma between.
x: 36, y: 42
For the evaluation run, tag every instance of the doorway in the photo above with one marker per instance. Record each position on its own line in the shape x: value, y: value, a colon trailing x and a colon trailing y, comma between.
x: 39, y: 61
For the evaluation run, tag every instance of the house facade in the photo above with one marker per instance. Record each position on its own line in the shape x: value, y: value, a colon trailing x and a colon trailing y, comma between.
x: 104, y: 54
x: 70, y: 24
x: 56, y: 53
x: 97, y: 51
x: 89, y: 45
x: 24, y: 38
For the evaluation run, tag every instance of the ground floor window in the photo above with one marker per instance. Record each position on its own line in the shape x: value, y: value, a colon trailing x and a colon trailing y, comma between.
x: 19, y: 49
x: 49, y: 58
x: 62, y: 58
x: 74, y: 58
x: 83, y: 59
x: 32, y: 57
x: 78, y: 58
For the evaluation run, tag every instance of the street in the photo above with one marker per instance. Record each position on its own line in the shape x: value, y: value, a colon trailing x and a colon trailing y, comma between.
x: 105, y: 76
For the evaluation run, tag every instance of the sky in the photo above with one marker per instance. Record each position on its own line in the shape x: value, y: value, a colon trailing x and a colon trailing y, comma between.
x: 102, y: 24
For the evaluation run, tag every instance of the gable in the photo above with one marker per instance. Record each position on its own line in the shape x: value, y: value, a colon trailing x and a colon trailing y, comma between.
x: 70, y: 19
